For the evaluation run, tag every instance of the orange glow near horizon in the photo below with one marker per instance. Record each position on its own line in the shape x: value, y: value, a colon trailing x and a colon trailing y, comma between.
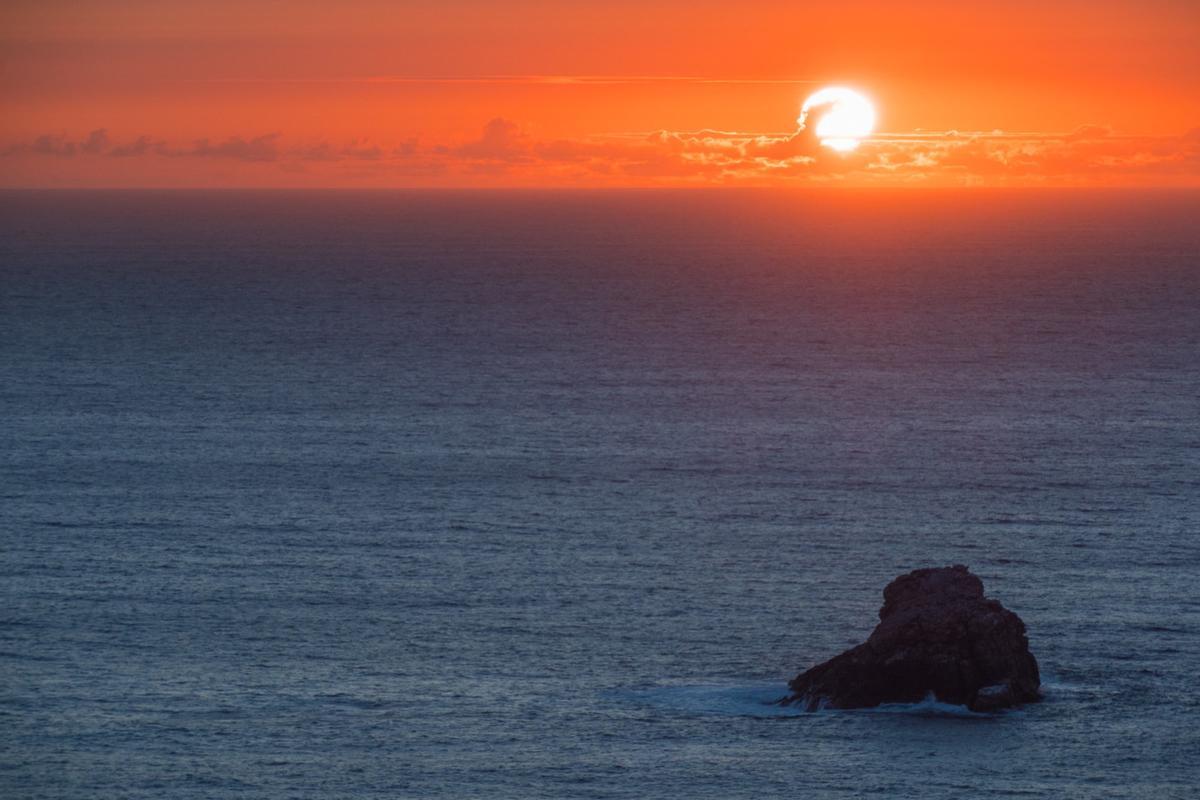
x: 657, y: 93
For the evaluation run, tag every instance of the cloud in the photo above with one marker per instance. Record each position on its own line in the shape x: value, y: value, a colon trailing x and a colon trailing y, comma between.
x: 503, y: 152
x: 57, y: 144
x: 502, y: 141
x: 1090, y: 153
x: 48, y: 144
x: 537, y: 80
x: 96, y: 142
x: 51, y: 145
x: 260, y: 148
x: 1088, y: 132
x: 359, y: 149
x: 1086, y: 154
x: 138, y: 147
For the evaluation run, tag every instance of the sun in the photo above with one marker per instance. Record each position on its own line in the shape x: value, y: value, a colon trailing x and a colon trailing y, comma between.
x: 849, y: 118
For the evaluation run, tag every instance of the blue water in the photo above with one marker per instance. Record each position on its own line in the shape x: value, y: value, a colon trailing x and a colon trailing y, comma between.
x: 524, y: 495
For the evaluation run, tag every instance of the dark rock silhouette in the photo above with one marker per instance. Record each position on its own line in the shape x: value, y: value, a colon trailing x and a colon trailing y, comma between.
x: 938, y: 635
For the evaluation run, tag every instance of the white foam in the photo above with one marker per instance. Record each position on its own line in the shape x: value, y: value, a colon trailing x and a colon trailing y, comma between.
x: 929, y: 707
x: 761, y: 700
x: 1055, y: 684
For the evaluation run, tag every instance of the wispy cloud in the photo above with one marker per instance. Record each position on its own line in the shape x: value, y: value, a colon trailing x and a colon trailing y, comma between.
x: 536, y: 80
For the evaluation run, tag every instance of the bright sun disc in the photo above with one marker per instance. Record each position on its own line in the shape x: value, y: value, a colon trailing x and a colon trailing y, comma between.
x: 850, y: 117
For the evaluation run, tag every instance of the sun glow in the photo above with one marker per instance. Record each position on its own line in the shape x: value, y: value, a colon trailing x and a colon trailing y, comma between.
x: 848, y: 119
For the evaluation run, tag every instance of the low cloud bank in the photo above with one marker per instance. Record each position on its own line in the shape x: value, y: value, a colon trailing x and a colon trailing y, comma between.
x: 1090, y: 153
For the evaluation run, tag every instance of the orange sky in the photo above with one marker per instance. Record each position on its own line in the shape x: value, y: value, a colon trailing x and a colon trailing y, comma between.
x: 525, y: 93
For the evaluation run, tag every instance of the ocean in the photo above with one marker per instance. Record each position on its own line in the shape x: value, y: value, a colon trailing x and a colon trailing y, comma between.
x: 548, y: 494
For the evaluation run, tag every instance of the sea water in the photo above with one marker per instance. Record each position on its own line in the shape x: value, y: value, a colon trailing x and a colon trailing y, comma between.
x: 547, y: 495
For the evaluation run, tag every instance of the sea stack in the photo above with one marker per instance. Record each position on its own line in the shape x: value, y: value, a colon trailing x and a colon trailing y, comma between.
x: 937, y: 635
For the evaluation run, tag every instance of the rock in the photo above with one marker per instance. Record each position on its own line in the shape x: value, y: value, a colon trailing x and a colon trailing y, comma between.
x: 938, y: 635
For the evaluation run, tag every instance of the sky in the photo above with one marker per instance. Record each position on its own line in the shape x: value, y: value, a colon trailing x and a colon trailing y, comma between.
x: 530, y: 93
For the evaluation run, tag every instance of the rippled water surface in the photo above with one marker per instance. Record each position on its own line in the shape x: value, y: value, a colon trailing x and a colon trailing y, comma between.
x: 547, y: 495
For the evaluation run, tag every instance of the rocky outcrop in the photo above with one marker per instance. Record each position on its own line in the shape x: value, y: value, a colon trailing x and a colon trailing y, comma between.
x: 938, y: 635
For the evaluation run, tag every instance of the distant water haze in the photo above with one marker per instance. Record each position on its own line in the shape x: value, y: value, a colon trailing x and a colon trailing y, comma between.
x: 538, y: 494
